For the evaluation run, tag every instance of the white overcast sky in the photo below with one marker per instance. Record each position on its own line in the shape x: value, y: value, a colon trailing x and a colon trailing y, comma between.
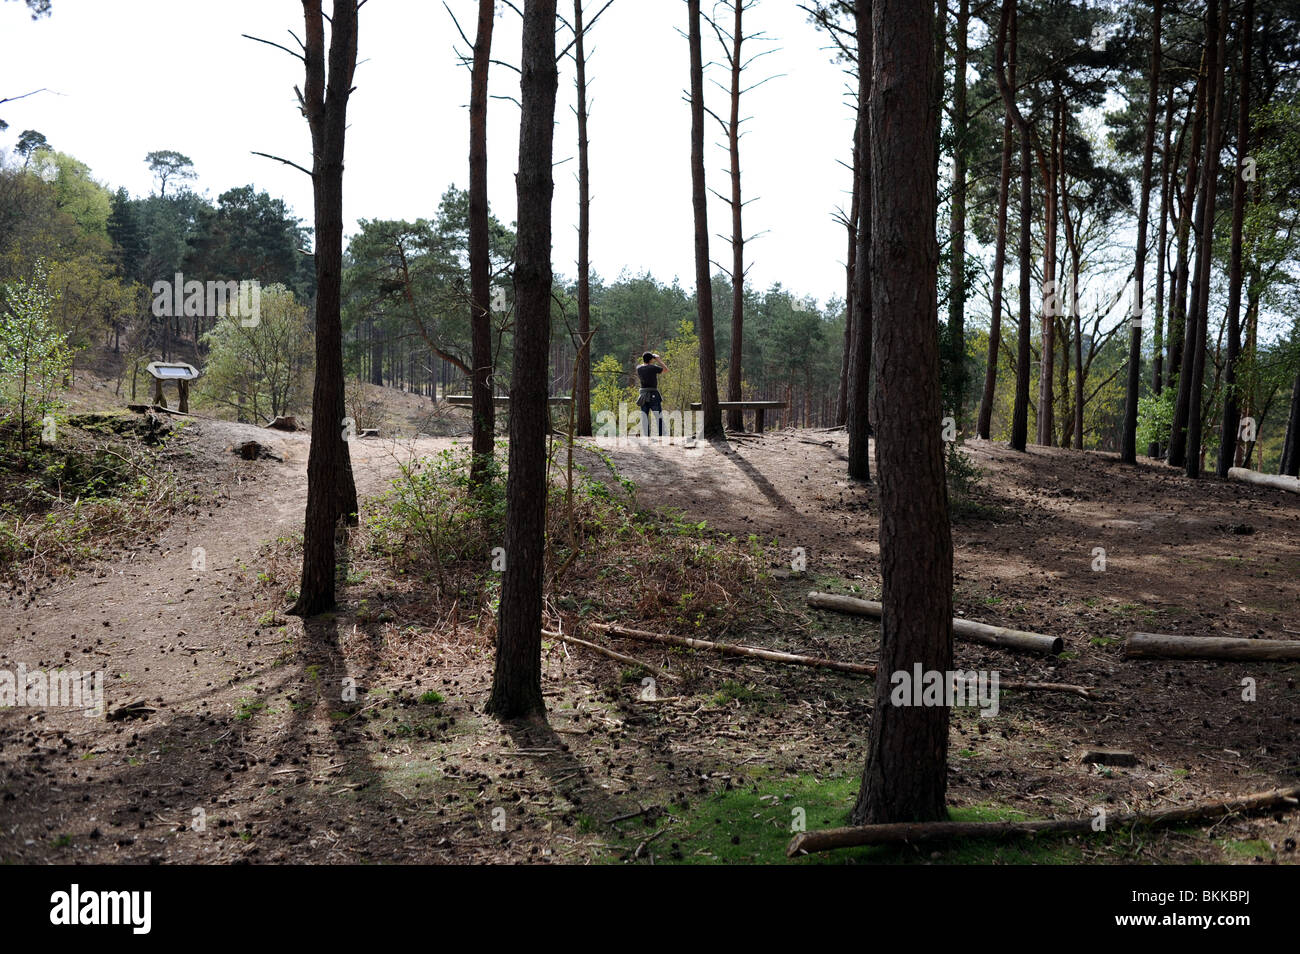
x: 131, y: 76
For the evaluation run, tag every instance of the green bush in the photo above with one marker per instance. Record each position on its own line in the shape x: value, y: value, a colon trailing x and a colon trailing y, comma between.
x: 1156, y: 417
x: 433, y: 514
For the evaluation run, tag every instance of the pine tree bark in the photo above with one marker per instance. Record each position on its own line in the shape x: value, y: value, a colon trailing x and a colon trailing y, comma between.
x: 1186, y: 440
x: 1229, y: 427
x: 712, y: 429
x: 482, y: 407
x: 1186, y: 210
x: 850, y: 292
x: 517, y: 680
x: 957, y: 218
x: 736, y: 417
x: 376, y: 355
x: 582, y: 390
x: 858, y: 423
x: 999, y: 266
x: 905, y: 778
x: 1128, y: 446
x: 1074, y: 424
x: 1162, y: 249
x: 331, y: 492
x: 1051, y: 298
x: 1291, y: 448
x: 1020, y: 409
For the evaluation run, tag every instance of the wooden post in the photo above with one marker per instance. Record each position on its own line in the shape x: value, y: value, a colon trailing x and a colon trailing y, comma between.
x: 184, y: 387
x: 158, y: 398
x: 758, y: 420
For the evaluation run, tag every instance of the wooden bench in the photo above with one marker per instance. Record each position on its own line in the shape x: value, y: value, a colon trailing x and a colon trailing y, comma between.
x: 760, y: 408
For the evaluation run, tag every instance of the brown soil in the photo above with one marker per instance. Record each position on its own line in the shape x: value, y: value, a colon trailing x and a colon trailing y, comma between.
x: 248, y: 724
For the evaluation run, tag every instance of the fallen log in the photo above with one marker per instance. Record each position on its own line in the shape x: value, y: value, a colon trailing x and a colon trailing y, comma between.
x: 965, y: 629
x: 1276, y: 481
x: 858, y: 669
x: 910, y: 832
x: 610, y: 654
x: 1156, y: 646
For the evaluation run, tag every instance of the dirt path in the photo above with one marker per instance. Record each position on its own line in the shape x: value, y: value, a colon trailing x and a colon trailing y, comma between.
x: 252, y: 754
x: 175, y: 623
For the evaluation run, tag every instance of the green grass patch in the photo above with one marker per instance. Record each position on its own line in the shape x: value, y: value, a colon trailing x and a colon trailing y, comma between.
x: 754, y: 825
x: 1234, y: 850
x: 248, y: 708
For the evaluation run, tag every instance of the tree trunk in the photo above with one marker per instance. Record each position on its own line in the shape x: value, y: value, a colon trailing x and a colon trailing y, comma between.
x: 1072, y: 423
x: 1178, y: 316
x: 517, y: 681
x: 1246, y: 448
x: 859, y: 415
x: 1020, y: 411
x: 700, y: 201
x: 1051, y: 305
x: 376, y: 355
x: 855, y: 214
x: 1230, y: 426
x: 1291, y: 449
x: 1162, y: 248
x: 957, y: 217
x: 482, y: 407
x: 1128, y: 447
x: 582, y: 389
x: 905, y: 778
x: 999, y: 266
x: 1216, y: 29
x: 331, y: 493
x: 736, y: 417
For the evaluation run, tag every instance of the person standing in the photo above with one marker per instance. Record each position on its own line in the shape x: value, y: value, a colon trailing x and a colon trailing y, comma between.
x: 650, y: 400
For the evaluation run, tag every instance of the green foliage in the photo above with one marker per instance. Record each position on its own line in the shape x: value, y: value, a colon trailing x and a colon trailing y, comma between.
x: 608, y: 391
x: 432, y: 516
x: 76, y: 193
x: 34, y: 356
x: 263, y: 369
x: 410, y: 278
x: 963, y: 475
x: 680, y: 385
x: 169, y: 165
x: 1156, y: 417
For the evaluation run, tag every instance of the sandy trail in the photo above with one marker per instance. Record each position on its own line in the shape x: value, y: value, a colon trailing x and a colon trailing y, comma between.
x: 166, y: 623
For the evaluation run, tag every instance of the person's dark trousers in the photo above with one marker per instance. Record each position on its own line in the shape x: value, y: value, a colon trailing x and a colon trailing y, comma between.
x: 651, y: 403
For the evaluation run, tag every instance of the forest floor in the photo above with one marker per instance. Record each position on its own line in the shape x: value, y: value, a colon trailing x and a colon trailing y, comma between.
x: 243, y: 753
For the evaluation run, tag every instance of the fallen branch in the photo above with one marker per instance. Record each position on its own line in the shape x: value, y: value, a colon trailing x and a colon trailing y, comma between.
x: 772, y: 655
x: 909, y: 832
x: 1156, y: 646
x: 1275, y: 481
x: 733, y: 649
x: 611, y: 654
x: 962, y: 628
